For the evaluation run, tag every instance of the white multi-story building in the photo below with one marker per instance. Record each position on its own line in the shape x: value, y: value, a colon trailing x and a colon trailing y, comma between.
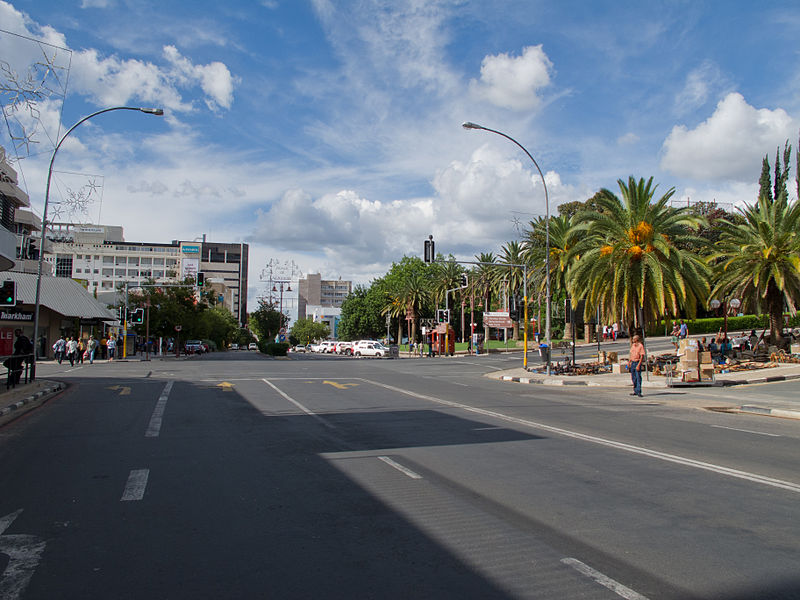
x: 98, y: 257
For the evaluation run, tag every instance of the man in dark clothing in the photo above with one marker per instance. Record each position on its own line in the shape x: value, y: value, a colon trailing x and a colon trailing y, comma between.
x: 22, y: 347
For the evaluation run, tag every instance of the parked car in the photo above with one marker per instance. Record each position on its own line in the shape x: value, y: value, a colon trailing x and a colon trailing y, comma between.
x: 252, y: 346
x: 327, y: 347
x: 315, y: 347
x: 234, y: 346
x: 345, y: 348
x: 371, y: 349
x: 194, y: 347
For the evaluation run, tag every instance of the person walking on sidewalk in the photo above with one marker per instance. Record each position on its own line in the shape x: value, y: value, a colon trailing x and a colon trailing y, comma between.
x: 91, y: 348
x: 636, y: 363
x: 72, y: 350
x: 112, y: 347
x: 60, y: 349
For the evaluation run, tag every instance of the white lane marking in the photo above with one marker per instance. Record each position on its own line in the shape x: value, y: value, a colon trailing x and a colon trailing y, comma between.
x: 154, y: 428
x: 399, y: 467
x: 615, y: 586
x: 136, y: 485
x: 307, y: 411
x: 689, y: 462
x: 71, y: 369
x: 24, y: 553
x: 747, y: 431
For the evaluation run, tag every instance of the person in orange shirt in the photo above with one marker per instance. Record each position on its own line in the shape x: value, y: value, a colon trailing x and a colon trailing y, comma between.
x: 637, y: 359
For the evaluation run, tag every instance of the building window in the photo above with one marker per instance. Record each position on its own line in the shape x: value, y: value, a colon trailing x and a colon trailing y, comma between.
x: 120, y: 272
x: 158, y: 261
x: 108, y: 260
x: 158, y: 274
x: 121, y: 260
x: 64, y: 265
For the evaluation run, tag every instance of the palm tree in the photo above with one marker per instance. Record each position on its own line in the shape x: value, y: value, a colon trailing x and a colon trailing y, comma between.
x: 485, y: 282
x: 535, y: 249
x: 414, y: 294
x: 758, y: 261
x: 628, y: 257
x: 513, y: 277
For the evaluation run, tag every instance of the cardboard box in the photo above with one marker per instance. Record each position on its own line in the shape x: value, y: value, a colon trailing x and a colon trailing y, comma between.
x: 795, y: 348
x: 619, y: 368
x: 705, y: 358
x: 706, y: 373
x: 686, y: 343
x: 689, y: 376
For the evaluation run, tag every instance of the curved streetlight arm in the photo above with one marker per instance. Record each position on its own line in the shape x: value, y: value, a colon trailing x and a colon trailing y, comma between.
x: 469, y: 125
x: 150, y: 111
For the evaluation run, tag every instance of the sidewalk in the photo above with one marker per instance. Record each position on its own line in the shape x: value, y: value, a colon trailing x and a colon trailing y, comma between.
x: 782, y: 372
x: 26, y: 396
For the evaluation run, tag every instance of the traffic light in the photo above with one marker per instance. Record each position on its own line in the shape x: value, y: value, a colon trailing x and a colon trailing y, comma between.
x: 201, y: 278
x: 442, y: 315
x: 137, y: 316
x: 464, y: 280
x: 8, y: 293
x: 430, y: 252
x: 516, y: 307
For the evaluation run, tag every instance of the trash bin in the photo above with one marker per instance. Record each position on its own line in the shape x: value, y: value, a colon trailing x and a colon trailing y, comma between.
x: 544, y: 352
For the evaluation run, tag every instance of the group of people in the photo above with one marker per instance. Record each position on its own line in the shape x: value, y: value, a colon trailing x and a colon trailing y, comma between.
x: 679, y: 332
x: 611, y: 332
x: 78, y: 350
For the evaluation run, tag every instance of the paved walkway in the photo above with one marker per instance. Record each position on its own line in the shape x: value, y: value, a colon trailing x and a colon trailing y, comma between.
x: 654, y: 383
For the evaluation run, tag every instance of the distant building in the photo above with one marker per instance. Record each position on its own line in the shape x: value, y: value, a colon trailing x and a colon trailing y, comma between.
x: 317, y: 292
x: 328, y: 315
x: 98, y: 257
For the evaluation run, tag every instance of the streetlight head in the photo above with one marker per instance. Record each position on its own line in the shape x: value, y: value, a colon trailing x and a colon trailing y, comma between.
x: 153, y: 111
x: 469, y: 125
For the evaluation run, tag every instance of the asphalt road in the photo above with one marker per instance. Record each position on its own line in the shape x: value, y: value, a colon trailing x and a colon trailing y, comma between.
x: 237, y: 476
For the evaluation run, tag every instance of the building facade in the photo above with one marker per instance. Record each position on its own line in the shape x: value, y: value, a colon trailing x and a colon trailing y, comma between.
x: 318, y: 292
x: 12, y: 198
x: 100, y: 259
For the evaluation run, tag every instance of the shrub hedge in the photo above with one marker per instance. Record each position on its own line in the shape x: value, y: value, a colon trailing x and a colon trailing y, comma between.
x: 713, y: 325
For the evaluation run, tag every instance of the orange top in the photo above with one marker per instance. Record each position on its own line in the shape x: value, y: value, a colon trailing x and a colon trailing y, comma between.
x: 637, y: 351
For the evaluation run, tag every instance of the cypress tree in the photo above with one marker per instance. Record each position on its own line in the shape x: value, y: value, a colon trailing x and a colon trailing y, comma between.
x: 765, y: 181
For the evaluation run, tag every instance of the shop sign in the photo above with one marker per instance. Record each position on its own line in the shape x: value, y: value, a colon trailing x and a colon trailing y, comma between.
x: 16, y: 315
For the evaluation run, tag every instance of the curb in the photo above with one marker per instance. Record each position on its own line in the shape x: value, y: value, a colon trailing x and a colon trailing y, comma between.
x: 14, y: 409
x: 770, y: 412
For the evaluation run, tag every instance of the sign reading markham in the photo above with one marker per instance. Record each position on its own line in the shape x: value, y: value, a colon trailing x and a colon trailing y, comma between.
x: 16, y: 315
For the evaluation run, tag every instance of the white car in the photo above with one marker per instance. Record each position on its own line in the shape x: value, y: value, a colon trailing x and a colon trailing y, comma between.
x: 345, y: 348
x: 376, y: 349
x: 327, y: 347
x: 314, y: 347
x: 234, y: 346
x: 252, y: 346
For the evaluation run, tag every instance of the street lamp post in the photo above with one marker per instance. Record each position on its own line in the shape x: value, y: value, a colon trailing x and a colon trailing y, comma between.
x: 149, y: 111
x: 469, y: 125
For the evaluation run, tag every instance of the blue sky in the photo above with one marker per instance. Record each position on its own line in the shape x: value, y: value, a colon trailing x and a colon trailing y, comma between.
x: 329, y: 133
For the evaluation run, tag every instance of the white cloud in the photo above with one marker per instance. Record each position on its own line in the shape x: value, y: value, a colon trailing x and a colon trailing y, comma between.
x: 514, y: 82
x: 96, y: 3
x: 627, y: 139
x: 700, y: 84
x: 729, y: 144
x: 214, y: 78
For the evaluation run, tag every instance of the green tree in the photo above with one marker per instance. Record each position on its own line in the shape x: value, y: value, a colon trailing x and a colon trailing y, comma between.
x: 307, y: 330
x: 628, y: 257
x: 406, y: 289
x: 361, y: 314
x: 758, y: 261
x: 512, y: 278
x: 267, y: 320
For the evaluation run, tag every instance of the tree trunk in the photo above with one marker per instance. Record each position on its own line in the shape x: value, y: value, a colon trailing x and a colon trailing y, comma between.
x: 775, y: 307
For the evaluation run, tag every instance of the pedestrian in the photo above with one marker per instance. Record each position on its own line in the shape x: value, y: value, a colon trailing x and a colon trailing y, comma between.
x: 80, y: 351
x: 60, y: 349
x: 605, y: 332
x: 637, y: 357
x: 22, y: 349
x: 112, y: 347
x: 91, y: 348
x: 684, y: 331
x: 72, y: 350
x: 615, y: 331
x: 676, y: 332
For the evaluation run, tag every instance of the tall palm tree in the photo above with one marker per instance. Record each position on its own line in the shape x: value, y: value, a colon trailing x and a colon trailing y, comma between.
x: 486, y: 282
x: 513, y: 277
x: 628, y: 257
x: 758, y: 261
x: 562, y: 238
x: 414, y: 294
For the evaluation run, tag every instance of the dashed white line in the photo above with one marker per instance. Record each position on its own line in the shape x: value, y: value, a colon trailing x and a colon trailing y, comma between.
x: 747, y: 431
x: 399, y: 467
x: 615, y: 586
x: 136, y: 485
x: 154, y: 428
x: 307, y: 411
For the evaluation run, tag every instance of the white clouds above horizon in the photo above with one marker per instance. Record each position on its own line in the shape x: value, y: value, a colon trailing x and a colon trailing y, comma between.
x: 729, y: 144
x: 514, y: 82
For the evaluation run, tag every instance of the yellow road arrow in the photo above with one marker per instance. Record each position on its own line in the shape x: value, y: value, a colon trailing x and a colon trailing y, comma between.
x: 123, y: 390
x: 226, y: 387
x: 340, y: 386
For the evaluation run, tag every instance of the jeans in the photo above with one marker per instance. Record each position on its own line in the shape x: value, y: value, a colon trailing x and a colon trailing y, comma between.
x: 636, y: 377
